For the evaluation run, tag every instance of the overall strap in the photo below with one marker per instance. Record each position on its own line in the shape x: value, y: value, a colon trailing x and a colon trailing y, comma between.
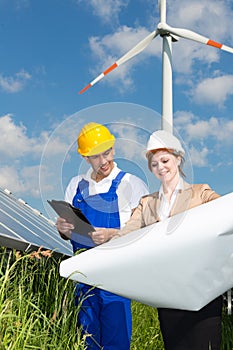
x: 84, y: 188
x: 82, y: 192
x: 116, y: 181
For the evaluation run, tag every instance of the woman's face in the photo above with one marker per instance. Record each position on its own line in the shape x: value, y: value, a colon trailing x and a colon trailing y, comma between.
x: 165, y: 166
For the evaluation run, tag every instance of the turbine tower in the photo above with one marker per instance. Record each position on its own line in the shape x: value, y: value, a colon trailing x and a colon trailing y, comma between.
x: 168, y: 34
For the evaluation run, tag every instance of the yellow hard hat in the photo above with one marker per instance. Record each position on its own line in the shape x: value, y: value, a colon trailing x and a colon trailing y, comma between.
x: 94, y: 139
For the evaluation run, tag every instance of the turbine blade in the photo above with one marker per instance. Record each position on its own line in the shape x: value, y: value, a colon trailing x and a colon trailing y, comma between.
x: 130, y: 54
x: 188, y: 34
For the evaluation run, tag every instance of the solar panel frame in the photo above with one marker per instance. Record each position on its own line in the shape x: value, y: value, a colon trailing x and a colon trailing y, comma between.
x: 25, y: 228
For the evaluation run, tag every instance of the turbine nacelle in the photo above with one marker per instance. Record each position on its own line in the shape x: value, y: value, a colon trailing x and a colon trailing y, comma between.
x: 162, y: 31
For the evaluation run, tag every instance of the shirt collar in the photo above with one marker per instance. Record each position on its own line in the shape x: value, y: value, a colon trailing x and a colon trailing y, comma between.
x: 179, y: 187
x: 111, y: 176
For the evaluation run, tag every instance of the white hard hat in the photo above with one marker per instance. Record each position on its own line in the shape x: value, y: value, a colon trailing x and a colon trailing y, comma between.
x: 164, y: 139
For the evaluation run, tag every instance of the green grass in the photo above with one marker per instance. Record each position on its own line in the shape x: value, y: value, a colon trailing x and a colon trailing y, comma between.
x: 37, y: 309
x: 36, y: 305
x: 146, y: 330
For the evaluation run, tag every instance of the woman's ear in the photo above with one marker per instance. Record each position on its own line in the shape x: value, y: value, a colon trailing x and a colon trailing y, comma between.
x: 178, y: 160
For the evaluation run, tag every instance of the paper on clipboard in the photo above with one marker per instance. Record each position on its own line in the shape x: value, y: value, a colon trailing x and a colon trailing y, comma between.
x: 73, y: 216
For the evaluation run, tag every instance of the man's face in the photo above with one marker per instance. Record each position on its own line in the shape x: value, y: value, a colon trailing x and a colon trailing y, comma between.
x: 102, y: 163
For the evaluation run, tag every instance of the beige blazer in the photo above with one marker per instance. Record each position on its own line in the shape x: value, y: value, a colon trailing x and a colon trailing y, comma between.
x: 147, y: 211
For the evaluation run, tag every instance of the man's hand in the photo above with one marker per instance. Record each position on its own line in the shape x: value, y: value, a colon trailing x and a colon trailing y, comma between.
x: 64, y: 228
x: 102, y: 235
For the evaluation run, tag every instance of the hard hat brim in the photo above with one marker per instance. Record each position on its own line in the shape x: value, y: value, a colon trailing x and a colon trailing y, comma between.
x: 100, y: 148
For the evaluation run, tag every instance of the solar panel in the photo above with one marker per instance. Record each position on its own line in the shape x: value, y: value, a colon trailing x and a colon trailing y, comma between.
x: 25, y: 228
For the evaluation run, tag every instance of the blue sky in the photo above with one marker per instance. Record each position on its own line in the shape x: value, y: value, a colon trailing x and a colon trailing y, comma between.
x: 50, y: 50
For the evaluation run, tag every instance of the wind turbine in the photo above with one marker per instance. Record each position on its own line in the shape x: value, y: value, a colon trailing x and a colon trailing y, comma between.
x: 168, y: 34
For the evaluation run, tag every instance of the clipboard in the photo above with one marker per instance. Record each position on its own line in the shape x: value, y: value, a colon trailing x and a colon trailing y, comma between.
x: 73, y: 216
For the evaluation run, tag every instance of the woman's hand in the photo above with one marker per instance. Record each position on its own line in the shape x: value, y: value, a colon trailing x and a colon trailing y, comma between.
x: 64, y: 228
x: 102, y: 235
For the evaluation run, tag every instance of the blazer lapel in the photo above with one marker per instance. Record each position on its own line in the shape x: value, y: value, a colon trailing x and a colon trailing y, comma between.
x: 182, y: 203
x: 154, y: 204
x: 183, y: 199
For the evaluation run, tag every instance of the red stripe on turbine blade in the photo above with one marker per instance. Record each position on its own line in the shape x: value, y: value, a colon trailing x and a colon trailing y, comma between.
x: 84, y: 89
x: 108, y: 70
x: 214, y: 43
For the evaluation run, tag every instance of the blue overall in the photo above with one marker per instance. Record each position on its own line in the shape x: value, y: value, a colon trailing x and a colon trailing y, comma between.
x: 105, y: 316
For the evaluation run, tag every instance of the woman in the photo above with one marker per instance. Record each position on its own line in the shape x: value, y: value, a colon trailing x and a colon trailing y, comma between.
x: 181, y: 329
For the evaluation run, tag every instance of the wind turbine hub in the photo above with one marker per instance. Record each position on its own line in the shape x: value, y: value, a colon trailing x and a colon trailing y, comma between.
x: 161, y: 29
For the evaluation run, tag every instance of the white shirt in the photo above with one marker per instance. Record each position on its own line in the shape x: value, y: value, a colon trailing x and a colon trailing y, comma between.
x: 165, y: 207
x: 129, y: 191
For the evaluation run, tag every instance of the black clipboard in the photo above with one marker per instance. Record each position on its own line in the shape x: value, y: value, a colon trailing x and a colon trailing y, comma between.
x: 73, y: 216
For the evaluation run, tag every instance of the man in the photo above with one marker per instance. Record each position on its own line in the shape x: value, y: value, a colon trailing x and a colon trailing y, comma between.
x: 107, y: 196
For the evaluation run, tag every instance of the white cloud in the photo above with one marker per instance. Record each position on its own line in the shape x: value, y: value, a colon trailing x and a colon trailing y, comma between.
x: 202, y: 16
x: 108, y: 11
x: 199, y: 16
x: 20, y: 151
x: 17, y: 5
x: 30, y: 177
x: 21, y: 155
x: 214, y: 91
x: 108, y: 49
x: 20, y: 180
x: 9, y: 178
x: 22, y: 4
x: 13, y: 84
x: 26, y: 159
x: 205, y: 139
x: 195, y: 128
x: 199, y: 157
x: 14, y: 142
x: 130, y: 139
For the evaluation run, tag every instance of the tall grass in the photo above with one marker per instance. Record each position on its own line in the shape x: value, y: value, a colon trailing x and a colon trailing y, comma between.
x: 36, y: 306
x: 227, y: 331
x: 146, y: 330
x: 37, y: 309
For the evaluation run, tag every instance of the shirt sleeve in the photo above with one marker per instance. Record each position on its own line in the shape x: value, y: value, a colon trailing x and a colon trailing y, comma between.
x: 71, y: 189
x: 207, y: 194
x: 139, y: 190
x: 202, y: 193
x: 135, y: 222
